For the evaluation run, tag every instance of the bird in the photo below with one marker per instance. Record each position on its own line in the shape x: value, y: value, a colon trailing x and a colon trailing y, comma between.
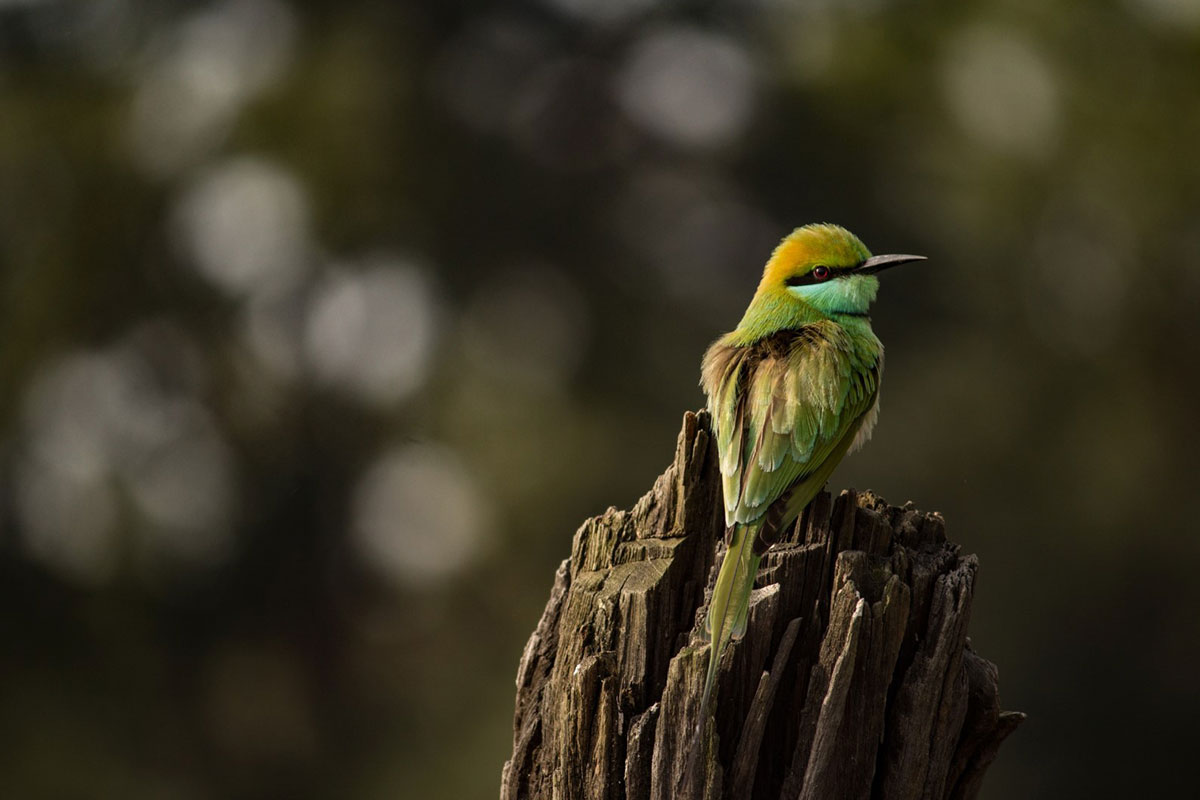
x: 790, y: 391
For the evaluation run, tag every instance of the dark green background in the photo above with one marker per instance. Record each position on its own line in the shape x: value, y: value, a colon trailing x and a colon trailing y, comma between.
x: 261, y: 260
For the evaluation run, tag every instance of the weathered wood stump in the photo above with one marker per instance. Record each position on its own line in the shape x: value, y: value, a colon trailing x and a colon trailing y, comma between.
x: 855, y: 678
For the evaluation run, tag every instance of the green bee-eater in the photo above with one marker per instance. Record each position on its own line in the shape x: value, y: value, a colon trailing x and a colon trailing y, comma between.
x: 791, y: 390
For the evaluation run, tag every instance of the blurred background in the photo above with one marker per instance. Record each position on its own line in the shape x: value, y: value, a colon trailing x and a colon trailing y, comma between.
x: 324, y: 325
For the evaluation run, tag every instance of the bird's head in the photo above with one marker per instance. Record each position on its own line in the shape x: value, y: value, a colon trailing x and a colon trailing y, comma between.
x: 817, y: 271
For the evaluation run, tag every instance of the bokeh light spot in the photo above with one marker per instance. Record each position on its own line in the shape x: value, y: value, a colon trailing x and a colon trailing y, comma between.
x: 107, y: 424
x: 186, y: 489
x: 689, y: 86
x: 1002, y: 91
x: 419, y: 515
x: 244, y: 226
x: 67, y: 521
x: 202, y: 72
x: 371, y: 331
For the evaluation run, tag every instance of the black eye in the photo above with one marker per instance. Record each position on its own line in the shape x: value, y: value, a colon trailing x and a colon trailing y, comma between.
x: 820, y: 273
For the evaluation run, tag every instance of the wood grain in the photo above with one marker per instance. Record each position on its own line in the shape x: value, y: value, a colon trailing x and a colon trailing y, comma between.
x: 855, y: 678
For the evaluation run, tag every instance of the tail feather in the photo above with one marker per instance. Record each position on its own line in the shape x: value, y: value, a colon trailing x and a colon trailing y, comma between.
x: 727, y: 615
x: 730, y: 601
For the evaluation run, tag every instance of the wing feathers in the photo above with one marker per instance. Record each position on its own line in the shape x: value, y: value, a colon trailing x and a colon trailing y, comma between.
x: 783, y: 406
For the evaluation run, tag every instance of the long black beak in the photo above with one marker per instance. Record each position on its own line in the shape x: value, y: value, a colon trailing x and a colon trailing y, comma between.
x: 880, y: 263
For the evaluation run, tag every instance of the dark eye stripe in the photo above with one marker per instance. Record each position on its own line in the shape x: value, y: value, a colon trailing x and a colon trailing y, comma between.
x: 807, y: 279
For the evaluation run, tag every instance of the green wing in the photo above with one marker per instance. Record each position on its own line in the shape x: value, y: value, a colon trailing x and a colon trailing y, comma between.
x: 785, y: 410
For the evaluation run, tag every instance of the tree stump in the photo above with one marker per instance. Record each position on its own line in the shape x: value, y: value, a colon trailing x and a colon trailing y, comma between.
x: 855, y: 678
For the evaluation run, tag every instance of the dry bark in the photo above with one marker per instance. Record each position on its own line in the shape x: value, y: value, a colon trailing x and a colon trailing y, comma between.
x: 855, y: 678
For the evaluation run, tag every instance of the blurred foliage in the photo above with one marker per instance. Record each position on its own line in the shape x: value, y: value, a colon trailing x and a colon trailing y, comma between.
x: 325, y: 324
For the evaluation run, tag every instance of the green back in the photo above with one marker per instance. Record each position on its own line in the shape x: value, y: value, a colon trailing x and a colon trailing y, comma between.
x: 785, y: 405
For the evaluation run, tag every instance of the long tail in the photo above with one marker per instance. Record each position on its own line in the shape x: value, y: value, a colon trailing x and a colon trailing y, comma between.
x: 726, y: 620
x: 730, y: 601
